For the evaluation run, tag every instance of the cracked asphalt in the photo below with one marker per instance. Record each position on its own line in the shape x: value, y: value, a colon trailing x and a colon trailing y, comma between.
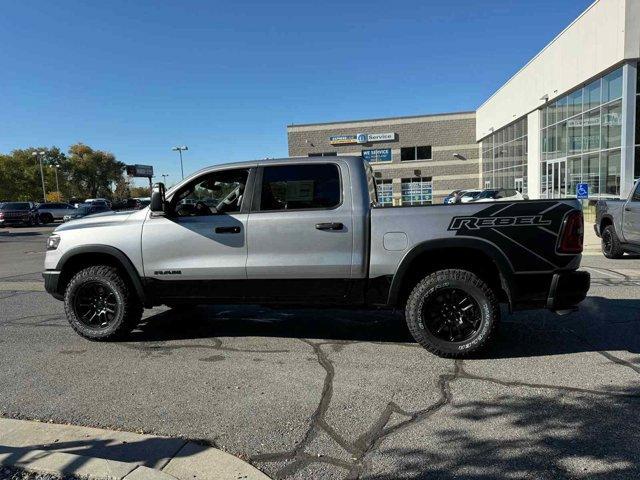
x: 341, y: 394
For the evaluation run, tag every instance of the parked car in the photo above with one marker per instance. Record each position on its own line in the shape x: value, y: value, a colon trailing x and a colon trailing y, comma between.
x: 128, y: 204
x: 464, y: 196
x: 99, y: 201
x: 618, y: 224
x: 18, y: 213
x: 498, y: 195
x: 309, y: 232
x: 85, y: 209
x: 48, y: 212
x: 452, y: 195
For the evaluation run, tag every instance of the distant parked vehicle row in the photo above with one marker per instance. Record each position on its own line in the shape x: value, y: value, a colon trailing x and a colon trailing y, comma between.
x: 51, y: 211
x: 19, y: 213
x: 86, y: 209
x: 484, y: 196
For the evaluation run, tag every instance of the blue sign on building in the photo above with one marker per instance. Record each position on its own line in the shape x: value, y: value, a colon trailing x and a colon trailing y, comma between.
x: 377, y: 155
x: 582, y: 191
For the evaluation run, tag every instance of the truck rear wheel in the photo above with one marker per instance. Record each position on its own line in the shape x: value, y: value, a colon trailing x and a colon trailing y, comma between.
x: 611, y: 243
x: 452, y: 313
x: 100, y: 305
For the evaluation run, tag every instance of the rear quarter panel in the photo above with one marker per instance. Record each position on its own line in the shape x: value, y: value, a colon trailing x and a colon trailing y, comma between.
x: 524, y: 233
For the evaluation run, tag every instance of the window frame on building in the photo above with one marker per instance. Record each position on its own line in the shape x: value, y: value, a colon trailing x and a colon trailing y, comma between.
x: 410, y: 154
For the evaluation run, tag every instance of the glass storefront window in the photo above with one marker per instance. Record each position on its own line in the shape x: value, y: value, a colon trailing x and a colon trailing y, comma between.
x: 385, y: 192
x: 504, y: 165
x: 591, y: 173
x: 574, y: 133
x: 591, y: 131
x: 416, y: 191
x: 574, y: 172
x: 610, y: 173
x: 592, y: 95
x: 561, y: 109
x: 612, y: 86
x: 575, y: 103
x: 611, y: 125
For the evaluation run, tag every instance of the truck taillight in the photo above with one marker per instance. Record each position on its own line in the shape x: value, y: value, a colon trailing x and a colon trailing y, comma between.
x: 572, y: 233
x: 1, y: 215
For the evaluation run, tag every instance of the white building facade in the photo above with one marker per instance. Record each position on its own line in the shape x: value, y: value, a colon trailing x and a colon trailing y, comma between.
x: 572, y: 114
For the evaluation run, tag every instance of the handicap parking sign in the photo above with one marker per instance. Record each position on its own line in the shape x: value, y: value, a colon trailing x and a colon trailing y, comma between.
x: 582, y: 191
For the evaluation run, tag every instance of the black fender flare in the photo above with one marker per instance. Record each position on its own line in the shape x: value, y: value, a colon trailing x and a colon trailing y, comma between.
x: 122, y: 259
x: 607, y: 216
x: 497, y: 256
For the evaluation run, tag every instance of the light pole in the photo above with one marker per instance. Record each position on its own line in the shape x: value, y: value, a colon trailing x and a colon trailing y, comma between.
x: 39, y: 156
x: 459, y: 157
x: 57, y: 166
x: 180, y: 150
x: 164, y: 178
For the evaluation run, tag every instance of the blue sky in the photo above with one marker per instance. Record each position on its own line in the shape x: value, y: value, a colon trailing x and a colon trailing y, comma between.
x: 225, y: 78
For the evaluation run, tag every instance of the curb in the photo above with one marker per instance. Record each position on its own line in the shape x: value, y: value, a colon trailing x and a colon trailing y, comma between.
x: 101, y: 454
x: 62, y: 464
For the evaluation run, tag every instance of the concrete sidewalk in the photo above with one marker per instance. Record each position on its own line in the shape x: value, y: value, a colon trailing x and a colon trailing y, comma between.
x: 105, y: 454
x: 591, y: 243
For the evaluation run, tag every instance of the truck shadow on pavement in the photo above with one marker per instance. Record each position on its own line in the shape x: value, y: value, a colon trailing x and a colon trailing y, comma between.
x: 534, y: 434
x: 601, y: 324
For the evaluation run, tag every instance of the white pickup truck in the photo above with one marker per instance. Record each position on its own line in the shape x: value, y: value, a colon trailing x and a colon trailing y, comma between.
x: 618, y: 224
x: 310, y: 232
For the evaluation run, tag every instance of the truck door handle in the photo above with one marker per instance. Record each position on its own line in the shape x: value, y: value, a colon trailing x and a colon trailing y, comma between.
x: 329, y: 226
x: 227, y: 229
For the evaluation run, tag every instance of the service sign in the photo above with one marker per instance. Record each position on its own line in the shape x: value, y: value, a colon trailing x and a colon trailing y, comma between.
x: 379, y: 137
x: 342, y: 139
x: 377, y: 155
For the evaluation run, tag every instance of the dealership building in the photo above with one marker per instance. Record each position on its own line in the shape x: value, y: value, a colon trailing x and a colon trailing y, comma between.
x: 416, y: 160
x: 570, y: 116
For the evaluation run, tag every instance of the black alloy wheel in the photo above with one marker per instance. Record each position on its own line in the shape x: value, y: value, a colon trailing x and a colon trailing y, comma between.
x: 96, y: 305
x: 451, y: 314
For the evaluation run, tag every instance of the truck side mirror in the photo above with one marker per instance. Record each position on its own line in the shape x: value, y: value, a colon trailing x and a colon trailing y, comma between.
x: 157, y: 198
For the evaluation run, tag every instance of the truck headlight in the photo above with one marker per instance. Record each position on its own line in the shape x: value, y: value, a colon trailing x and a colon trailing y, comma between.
x: 52, y: 242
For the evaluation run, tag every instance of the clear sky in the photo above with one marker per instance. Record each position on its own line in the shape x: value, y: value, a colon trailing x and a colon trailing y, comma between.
x: 225, y: 78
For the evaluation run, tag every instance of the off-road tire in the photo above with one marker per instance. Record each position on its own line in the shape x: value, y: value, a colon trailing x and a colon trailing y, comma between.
x: 128, y: 313
x: 459, y: 280
x: 613, y: 250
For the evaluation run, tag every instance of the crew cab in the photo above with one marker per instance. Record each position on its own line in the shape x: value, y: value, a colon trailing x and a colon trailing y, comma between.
x: 618, y: 224
x: 308, y: 232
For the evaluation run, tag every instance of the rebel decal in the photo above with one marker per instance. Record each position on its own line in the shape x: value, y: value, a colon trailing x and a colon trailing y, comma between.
x: 476, y: 223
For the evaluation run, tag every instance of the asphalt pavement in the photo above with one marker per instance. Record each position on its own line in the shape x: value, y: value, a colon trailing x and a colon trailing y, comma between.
x: 341, y: 394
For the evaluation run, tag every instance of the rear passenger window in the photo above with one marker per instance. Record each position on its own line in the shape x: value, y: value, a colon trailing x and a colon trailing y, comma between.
x: 295, y: 187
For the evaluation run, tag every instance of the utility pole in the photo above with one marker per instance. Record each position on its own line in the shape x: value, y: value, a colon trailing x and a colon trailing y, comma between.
x: 180, y: 150
x: 39, y: 156
x: 57, y: 166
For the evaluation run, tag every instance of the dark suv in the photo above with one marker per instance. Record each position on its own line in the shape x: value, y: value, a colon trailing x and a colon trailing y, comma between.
x: 18, y: 213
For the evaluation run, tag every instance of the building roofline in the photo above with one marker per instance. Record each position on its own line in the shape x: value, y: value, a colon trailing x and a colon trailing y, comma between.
x: 368, y: 120
x: 546, y: 47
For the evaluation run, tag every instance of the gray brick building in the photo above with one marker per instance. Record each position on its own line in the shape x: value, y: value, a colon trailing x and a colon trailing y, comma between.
x: 417, y: 160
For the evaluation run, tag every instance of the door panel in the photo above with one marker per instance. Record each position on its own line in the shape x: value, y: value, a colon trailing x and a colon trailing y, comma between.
x: 631, y: 217
x: 210, y: 247
x: 305, y: 244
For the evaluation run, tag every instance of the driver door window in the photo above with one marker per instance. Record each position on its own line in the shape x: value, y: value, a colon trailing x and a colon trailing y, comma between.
x: 216, y: 193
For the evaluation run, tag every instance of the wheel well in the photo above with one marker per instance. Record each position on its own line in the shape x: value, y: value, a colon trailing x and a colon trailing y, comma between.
x: 604, y: 223
x: 84, y: 260
x: 470, y: 259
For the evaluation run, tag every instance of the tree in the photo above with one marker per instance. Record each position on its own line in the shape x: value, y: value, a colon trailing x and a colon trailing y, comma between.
x: 92, y: 172
x: 123, y: 189
x: 20, y: 173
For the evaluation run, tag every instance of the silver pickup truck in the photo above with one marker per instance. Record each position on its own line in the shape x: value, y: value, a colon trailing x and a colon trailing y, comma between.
x: 308, y: 232
x: 618, y: 224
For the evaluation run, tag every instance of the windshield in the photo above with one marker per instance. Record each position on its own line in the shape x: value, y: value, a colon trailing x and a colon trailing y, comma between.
x: 83, y: 210
x: 16, y: 206
x: 472, y: 194
x: 488, y: 194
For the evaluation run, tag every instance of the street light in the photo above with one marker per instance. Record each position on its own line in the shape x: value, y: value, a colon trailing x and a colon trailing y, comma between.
x: 57, y: 166
x: 164, y: 178
x: 39, y: 156
x: 459, y: 157
x: 180, y: 150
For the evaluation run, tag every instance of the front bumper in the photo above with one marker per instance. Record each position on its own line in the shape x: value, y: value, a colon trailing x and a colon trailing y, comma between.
x: 51, y: 278
x: 568, y: 289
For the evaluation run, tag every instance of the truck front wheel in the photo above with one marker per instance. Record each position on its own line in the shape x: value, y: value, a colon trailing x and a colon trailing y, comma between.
x: 452, y: 313
x: 100, y: 305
